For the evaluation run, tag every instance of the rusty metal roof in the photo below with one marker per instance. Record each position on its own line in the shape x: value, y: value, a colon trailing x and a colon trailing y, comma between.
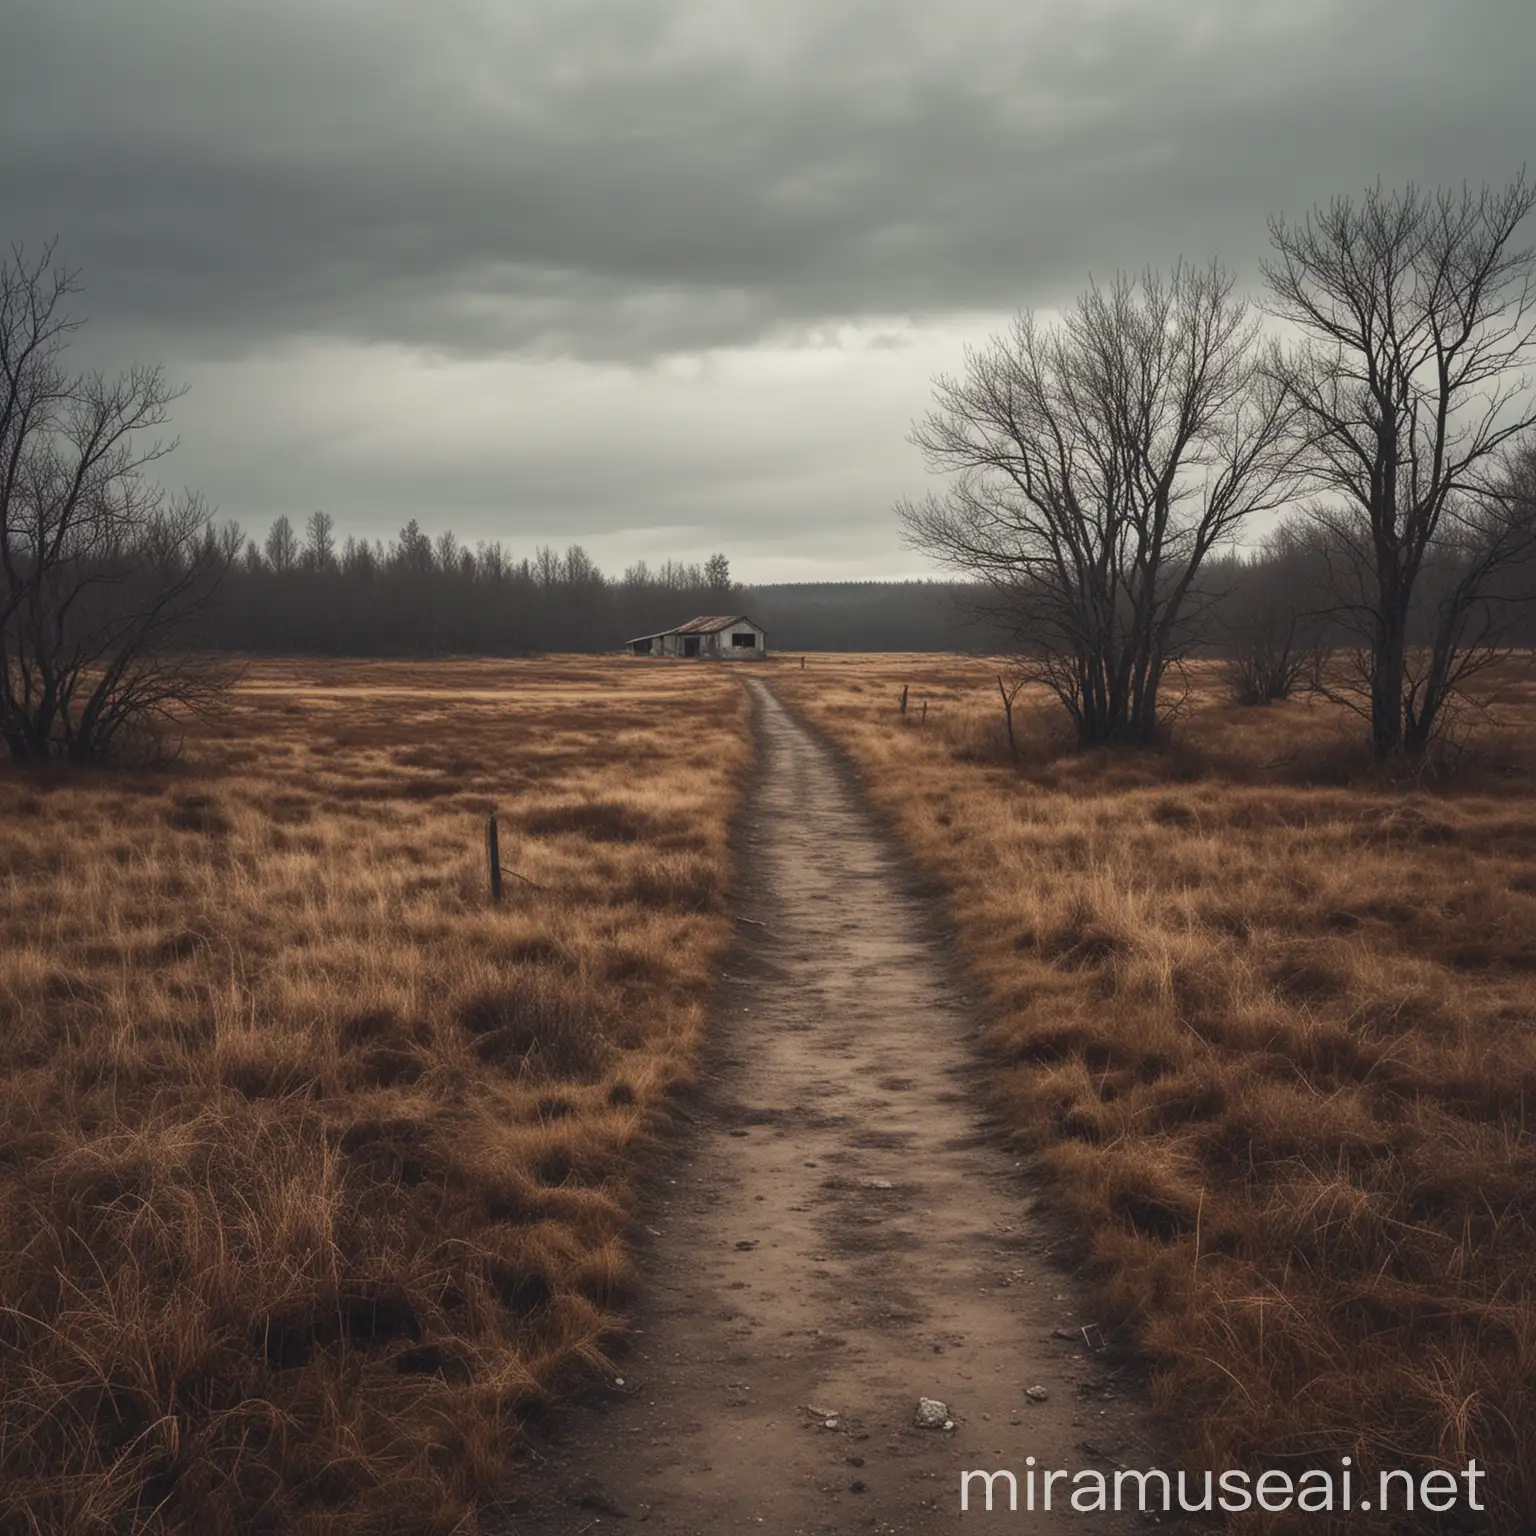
x: 705, y: 624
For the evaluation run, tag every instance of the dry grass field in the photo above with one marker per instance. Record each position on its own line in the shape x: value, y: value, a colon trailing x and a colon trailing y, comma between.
x: 315, y: 1165
x: 1267, y: 1016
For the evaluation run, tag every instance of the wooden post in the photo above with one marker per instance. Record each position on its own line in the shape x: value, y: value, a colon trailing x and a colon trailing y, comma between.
x: 903, y: 698
x: 924, y: 720
x: 493, y: 857
x: 802, y: 663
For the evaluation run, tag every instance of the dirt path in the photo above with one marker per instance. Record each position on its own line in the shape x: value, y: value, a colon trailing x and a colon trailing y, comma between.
x: 843, y: 1233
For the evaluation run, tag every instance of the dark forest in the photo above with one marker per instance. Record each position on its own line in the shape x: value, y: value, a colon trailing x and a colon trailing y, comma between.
x: 426, y: 596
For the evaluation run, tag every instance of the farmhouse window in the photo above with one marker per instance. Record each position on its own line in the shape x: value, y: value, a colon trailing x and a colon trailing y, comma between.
x: 744, y: 642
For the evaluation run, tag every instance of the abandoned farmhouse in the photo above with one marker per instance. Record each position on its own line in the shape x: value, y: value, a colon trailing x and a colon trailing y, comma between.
x: 729, y: 639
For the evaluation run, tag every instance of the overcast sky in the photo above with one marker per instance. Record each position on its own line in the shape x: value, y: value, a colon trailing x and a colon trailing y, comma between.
x: 669, y: 276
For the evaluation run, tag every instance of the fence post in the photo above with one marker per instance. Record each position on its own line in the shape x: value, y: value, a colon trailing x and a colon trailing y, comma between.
x: 903, y: 698
x: 925, y: 712
x: 493, y: 856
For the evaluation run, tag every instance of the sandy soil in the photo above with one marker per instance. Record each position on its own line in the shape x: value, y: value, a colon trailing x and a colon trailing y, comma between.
x: 842, y: 1232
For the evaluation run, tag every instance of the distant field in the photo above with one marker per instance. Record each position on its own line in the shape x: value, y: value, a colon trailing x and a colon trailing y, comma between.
x: 315, y: 1164
x: 1268, y: 1018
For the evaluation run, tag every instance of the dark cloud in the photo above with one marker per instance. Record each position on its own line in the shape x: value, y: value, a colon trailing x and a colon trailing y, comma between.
x: 628, y: 178
x: 616, y: 183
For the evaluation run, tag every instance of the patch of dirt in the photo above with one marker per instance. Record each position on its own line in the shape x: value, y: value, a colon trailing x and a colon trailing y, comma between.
x: 803, y: 1267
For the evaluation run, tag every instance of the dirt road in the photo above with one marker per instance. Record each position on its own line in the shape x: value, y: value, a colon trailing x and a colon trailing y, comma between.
x: 842, y: 1233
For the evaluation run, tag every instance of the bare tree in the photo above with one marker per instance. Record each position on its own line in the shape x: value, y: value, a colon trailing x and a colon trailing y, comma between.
x: 1482, y: 541
x: 99, y: 570
x: 358, y: 559
x: 578, y: 569
x: 1271, y: 619
x: 717, y: 574
x: 1097, y: 463
x: 282, y: 546
x: 413, y: 550
x: 1010, y: 688
x: 320, y: 542
x: 491, y: 561
x: 547, y: 567
x: 1266, y: 663
x: 230, y: 541
x: 1416, y: 312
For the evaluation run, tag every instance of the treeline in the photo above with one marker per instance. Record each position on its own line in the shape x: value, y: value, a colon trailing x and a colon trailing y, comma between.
x: 1290, y: 590
x: 872, y: 616
x: 424, y: 595
x: 420, y: 595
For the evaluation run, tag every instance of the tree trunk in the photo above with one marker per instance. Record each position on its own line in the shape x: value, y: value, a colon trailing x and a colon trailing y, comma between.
x: 1389, y: 663
x: 1013, y: 749
x: 1142, y: 730
x: 1419, y: 725
x: 17, y: 744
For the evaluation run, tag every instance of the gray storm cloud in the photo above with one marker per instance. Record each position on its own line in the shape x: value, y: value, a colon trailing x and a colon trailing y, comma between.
x: 416, y: 192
